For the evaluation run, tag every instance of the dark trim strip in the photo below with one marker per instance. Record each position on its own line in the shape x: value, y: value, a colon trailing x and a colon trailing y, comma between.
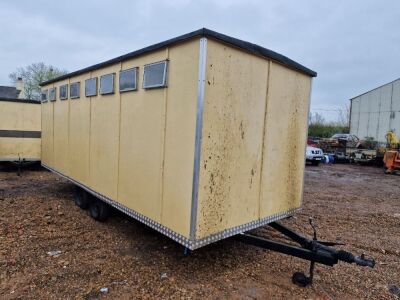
x: 20, y: 134
x: 204, y: 32
x: 23, y: 101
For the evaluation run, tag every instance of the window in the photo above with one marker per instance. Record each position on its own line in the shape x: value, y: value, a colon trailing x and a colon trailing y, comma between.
x: 75, y: 90
x: 127, y: 80
x: 52, y: 94
x: 91, y: 87
x: 64, y: 92
x: 107, y: 84
x: 155, y: 75
x: 43, y: 96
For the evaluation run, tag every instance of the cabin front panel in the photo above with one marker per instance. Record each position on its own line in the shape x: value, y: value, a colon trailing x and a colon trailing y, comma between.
x: 284, y: 141
x: 231, y: 148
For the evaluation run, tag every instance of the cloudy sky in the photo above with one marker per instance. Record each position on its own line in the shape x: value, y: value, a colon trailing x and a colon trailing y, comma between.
x: 353, y: 45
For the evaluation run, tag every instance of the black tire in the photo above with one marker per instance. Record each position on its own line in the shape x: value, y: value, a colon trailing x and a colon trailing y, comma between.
x: 99, y: 210
x: 300, y: 279
x: 82, y: 198
x: 315, y: 163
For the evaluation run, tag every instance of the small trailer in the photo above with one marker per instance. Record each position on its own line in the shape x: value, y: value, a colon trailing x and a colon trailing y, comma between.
x: 201, y: 137
x: 20, y: 130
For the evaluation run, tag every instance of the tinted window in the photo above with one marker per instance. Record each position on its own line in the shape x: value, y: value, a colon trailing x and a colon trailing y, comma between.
x: 107, y: 84
x: 75, y: 89
x: 52, y: 94
x: 127, y: 80
x: 44, y: 96
x: 91, y: 87
x: 155, y: 75
x: 63, y: 92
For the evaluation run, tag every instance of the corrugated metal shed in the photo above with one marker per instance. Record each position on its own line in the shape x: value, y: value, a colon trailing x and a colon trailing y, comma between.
x: 376, y: 112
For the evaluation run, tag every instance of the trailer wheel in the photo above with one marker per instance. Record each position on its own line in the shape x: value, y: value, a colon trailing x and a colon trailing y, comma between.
x: 99, y: 210
x: 82, y: 198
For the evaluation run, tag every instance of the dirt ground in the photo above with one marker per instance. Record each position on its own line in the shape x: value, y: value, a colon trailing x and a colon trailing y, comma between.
x: 357, y: 205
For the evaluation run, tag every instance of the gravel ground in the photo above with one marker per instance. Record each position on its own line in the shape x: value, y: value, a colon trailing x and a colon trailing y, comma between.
x: 357, y: 205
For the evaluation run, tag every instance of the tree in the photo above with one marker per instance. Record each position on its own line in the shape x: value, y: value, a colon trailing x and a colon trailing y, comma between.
x: 316, y: 118
x: 33, y: 75
x: 344, y: 116
x: 319, y: 127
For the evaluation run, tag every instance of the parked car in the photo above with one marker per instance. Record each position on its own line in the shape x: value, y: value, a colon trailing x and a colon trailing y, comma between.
x: 314, y: 155
x: 345, y: 140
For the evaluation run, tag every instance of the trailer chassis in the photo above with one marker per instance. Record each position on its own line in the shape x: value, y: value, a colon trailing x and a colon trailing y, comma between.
x: 309, y: 249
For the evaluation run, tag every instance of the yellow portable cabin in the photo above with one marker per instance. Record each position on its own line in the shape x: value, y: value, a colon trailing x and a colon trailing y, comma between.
x: 20, y: 126
x: 200, y: 137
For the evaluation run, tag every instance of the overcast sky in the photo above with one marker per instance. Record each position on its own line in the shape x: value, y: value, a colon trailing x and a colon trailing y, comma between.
x: 353, y: 45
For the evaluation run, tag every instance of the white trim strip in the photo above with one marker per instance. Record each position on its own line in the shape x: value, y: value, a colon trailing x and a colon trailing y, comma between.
x: 199, y: 128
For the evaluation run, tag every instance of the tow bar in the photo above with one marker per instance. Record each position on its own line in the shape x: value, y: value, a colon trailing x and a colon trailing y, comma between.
x: 313, y: 250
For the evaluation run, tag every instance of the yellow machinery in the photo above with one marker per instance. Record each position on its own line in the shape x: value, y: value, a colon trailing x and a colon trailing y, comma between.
x: 391, y: 158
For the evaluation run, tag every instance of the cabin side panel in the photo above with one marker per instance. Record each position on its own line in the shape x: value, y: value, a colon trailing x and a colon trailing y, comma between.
x: 104, y: 137
x: 79, y: 133
x: 231, y: 150
x: 60, y: 135
x: 47, y: 132
x: 141, y: 140
x: 180, y: 136
x: 284, y: 140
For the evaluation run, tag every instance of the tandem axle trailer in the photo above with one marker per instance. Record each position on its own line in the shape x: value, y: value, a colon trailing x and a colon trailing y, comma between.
x: 200, y: 137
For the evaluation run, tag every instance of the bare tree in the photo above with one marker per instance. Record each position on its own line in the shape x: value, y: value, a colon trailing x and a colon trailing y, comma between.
x: 344, y: 116
x: 33, y: 75
x: 316, y: 118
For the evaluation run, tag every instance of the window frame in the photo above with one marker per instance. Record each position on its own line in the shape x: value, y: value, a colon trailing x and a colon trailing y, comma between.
x: 113, y: 84
x: 96, y: 85
x: 78, y: 83
x: 136, y: 69
x: 66, y: 92
x: 165, y: 75
x: 44, y: 92
x: 55, y: 94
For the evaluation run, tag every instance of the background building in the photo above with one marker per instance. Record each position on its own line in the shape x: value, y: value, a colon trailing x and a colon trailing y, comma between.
x: 13, y: 92
x: 374, y: 113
